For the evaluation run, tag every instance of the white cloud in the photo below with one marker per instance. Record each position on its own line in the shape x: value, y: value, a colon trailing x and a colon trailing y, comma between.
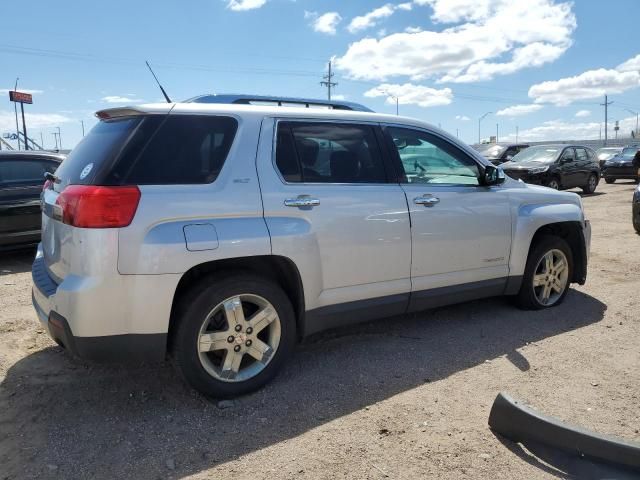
x: 498, y: 37
x: 583, y: 113
x: 561, y: 130
x: 409, y: 94
x: 633, y: 64
x: 518, y: 110
x: 34, y: 120
x: 243, y: 5
x: 462, y: 118
x: 412, y: 30
x: 405, y: 6
x: 589, y: 84
x: 325, y: 23
x: 120, y: 99
x: 371, y: 18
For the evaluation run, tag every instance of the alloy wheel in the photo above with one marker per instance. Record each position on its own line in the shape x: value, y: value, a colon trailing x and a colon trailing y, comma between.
x: 551, y: 277
x: 239, y: 337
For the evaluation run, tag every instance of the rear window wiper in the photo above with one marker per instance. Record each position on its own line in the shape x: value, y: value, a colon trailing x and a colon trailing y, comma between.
x: 51, y: 177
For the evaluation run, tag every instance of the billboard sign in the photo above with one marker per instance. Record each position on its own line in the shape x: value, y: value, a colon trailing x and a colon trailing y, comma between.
x: 20, y: 97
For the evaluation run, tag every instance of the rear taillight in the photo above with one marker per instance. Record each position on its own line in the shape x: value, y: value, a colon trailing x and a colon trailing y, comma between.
x: 91, y: 206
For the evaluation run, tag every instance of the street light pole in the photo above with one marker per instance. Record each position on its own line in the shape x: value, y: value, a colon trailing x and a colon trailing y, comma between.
x: 636, y: 114
x: 479, y: 122
x: 59, y: 137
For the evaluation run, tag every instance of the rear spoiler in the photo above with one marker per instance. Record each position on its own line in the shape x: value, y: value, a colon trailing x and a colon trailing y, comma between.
x: 120, y: 112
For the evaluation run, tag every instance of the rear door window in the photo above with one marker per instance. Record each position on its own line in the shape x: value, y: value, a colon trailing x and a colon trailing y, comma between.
x: 323, y: 152
x: 581, y: 155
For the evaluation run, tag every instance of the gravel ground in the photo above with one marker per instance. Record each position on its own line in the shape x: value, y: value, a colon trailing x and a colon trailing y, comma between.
x: 405, y: 397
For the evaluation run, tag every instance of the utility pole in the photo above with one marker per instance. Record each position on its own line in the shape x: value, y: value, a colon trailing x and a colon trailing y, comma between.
x: 606, y: 112
x: 41, y: 140
x: 457, y: 136
x: 55, y: 137
x: 479, y: 122
x: 82, y: 123
x: 496, y: 133
x: 15, y: 110
x: 516, y: 134
x: 328, y: 81
x: 59, y: 137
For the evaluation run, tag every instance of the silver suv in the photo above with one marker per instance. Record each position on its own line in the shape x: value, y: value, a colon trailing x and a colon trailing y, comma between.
x: 225, y: 229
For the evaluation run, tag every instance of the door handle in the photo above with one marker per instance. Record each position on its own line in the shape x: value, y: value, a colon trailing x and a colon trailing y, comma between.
x: 427, y: 200
x: 302, y: 201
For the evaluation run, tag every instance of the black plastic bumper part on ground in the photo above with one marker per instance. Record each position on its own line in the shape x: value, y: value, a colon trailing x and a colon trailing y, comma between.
x: 519, y: 423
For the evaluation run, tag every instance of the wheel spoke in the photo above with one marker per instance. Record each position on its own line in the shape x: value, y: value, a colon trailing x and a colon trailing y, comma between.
x: 557, y: 285
x: 262, y: 319
x: 233, y: 312
x: 546, y: 293
x: 548, y: 262
x: 213, y: 341
x: 539, y: 280
x: 260, y: 351
x: 231, y: 364
x: 560, y: 265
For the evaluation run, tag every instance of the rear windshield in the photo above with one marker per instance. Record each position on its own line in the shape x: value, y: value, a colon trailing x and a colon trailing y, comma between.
x: 151, y: 150
x: 95, y: 151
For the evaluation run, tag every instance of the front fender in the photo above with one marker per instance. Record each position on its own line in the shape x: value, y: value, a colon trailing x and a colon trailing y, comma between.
x: 529, y: 218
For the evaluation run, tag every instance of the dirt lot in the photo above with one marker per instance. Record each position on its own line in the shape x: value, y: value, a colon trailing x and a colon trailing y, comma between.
x: 400, y: 398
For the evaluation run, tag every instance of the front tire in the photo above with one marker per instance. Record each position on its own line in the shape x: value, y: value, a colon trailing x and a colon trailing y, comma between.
x: 609, y: 180
x: 591, y: 185
x: 553, y: 183
x: 547, y: 274
x: 233, y: 334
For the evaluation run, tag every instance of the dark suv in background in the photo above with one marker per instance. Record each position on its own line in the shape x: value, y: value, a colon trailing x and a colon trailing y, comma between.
x: 556, y: 166
x: 622, y: 166
x: 498, y: 153
x: 21, y: 180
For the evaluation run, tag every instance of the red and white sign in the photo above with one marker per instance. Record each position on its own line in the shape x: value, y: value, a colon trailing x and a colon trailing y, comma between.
x: 20, y: 97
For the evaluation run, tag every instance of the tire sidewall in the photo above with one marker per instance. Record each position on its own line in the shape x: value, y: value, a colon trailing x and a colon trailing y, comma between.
x: 587, y: 188
x: 527, y: 297
x: 210, y: 293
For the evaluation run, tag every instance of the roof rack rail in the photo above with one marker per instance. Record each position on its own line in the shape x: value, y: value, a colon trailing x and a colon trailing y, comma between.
x: 280, y: 101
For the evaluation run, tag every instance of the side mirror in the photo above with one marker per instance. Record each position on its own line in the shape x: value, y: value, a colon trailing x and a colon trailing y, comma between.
x: 492, y: 176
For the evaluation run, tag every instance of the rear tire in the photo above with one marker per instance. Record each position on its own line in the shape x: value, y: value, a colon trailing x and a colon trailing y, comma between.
x: 609, y: 180
x: 215, y: 348
x: 591, y: 185
x: 542, y: 278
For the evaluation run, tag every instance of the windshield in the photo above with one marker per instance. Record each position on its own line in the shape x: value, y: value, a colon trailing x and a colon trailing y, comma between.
x: 540, y: 154
x: 628, y: 153
x: 490, y: 150
x: 606, y: 153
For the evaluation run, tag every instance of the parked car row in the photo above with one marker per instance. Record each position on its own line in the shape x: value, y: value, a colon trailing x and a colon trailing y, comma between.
x: 21, y: 179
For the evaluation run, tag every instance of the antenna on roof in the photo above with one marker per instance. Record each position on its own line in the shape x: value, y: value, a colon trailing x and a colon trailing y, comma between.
x: 166, y: 97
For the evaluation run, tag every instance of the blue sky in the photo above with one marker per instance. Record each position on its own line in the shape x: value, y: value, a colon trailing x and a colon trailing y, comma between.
x: 538, y: 63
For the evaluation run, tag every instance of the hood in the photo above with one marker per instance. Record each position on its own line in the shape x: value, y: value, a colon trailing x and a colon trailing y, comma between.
x: 527, y: 165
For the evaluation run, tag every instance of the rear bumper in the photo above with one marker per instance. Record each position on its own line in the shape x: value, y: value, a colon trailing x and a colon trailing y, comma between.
x: 96, y: 321
x: 622, y: 173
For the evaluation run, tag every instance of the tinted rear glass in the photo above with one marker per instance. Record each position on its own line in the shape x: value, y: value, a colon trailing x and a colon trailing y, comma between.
x: 24, y: 171
x: 151, y: 150
x: 184, y: 149
x: 95, y: 151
